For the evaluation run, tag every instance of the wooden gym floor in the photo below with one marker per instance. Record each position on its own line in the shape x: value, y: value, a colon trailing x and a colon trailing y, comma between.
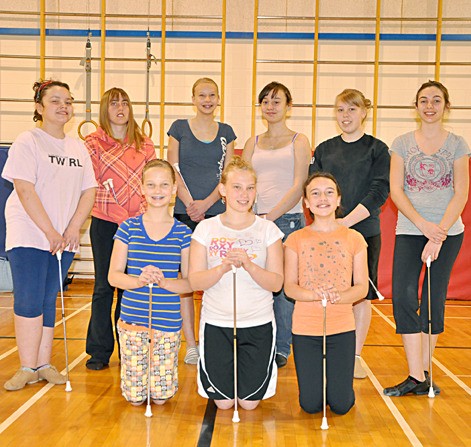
x: 95, y: 414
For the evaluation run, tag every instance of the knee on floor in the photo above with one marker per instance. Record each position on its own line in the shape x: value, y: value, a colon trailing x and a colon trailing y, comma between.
x: 249, y: 404
x: 224, y: 404
x: 310, y: 407
x: 341, y: 407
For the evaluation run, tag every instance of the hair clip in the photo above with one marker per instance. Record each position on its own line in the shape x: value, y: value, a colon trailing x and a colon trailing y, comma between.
x: 40, y: 88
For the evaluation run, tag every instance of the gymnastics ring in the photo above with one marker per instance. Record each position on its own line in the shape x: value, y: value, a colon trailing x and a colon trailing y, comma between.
x: 144, y: 122
x: 85, y: 122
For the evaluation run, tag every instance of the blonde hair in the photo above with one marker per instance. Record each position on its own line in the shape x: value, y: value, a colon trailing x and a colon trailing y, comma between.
x: 354, y: 97
x: 204, y: 81
x: 237, y: 164
x: 158, y: 163
x: 133, y: 131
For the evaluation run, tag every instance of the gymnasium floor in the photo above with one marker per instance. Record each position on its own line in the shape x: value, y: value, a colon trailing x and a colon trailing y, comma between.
x: 95, y: 414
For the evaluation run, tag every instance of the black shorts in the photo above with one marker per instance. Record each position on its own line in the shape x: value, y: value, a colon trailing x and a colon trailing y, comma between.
x: 256, y: 369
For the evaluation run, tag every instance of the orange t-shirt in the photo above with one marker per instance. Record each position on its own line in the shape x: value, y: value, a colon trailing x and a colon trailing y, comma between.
x: 324, y: 258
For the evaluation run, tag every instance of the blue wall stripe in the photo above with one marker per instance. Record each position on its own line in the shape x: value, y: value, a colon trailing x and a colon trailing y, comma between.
x: 236, y: 35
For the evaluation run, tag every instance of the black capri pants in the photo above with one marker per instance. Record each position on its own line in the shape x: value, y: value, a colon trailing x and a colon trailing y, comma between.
x: 340, y: 355
x: 407, y: 267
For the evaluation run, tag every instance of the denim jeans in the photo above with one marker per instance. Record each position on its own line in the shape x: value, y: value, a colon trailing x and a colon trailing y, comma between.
x: 288, y: 223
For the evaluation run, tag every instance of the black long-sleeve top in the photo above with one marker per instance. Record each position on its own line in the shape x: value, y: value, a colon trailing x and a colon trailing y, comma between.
x: 362, y: 171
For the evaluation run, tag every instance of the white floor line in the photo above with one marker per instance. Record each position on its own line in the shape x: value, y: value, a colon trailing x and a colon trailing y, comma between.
x: 6, y: 354
x: 68, y: 317
x: 452, y: 376
x: 32, y: 400
x: 447, y: 305
x: 457, y: 318
x: 58, y: 323
x: 446, y: 318
x: 58, y: 308
x: 384, y: 317
x: 415, y: 442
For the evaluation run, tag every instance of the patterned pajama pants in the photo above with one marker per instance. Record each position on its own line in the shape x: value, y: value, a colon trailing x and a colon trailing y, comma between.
x: 134, y: 341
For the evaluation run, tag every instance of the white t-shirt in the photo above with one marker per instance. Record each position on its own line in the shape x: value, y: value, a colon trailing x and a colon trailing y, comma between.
x: 254, y: 304
x: 60, y: 170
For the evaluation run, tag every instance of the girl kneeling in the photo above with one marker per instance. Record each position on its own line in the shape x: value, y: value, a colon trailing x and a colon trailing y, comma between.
x: 145, y: 248
x: 321, y: 260
x: 253, y: 245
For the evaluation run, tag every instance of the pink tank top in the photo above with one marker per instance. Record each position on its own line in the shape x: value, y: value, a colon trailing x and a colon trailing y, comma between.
x: 275, y: 175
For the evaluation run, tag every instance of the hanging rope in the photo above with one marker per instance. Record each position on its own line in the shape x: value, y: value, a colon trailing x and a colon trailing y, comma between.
x: 87, y: 62
x: 150, y: 58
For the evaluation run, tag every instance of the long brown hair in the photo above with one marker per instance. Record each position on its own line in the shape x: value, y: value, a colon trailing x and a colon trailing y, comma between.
x: 133, y: 131
x: 440, y: 86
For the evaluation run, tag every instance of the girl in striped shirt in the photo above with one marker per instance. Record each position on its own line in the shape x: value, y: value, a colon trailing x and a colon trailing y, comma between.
x: 150, y: 249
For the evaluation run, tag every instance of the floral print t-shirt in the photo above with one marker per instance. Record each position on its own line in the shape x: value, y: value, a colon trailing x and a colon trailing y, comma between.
x: 428, y: 179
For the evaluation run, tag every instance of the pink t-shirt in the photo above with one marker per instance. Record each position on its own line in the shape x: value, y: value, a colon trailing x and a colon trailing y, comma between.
x: 324, y: 258
x: 275, y: 176
x: 59, y: 169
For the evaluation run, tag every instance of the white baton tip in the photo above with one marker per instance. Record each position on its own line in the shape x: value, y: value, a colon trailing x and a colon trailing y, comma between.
x: 429, y: 261
x: 324, y: 425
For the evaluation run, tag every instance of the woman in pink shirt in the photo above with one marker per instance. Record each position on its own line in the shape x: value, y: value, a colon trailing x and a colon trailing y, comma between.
x: 280, y: 157
x: 119, y: 152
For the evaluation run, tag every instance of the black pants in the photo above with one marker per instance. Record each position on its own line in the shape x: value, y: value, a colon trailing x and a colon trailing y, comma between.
x: 405, y: 287
x: 100, y: 338
x: 374, y: 249
x: 340, y: 355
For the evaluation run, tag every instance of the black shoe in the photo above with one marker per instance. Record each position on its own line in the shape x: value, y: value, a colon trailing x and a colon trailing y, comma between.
x: 409, y: 385
x: 436, y: 389
x: 281, y: 360
x: 96, y: 365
